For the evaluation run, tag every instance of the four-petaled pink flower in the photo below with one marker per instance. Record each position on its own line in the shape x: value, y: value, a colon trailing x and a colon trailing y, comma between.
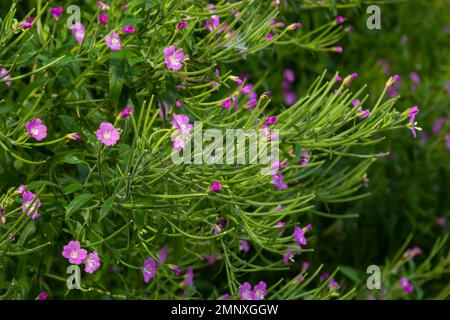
x: 30, y: 205
x: 92, y: 262
x: 74, y: 253
x: 173, y: 58
x: 78, y: 31
x: 36, y: 129
x: 113, y: 41
x: 149, y: 269
x: 107, y: 134
x: 182, y: 133
x: 56, y: 12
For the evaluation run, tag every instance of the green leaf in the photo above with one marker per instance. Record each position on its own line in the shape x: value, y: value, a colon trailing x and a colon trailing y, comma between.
x: 77, y: 203
x: 71, y: 188
x: 116, y: 76
x: 106, y: 207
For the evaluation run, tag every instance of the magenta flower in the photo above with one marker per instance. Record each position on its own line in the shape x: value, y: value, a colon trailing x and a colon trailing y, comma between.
x: 244, y: 246
x: 102, y: 18
x: 163, y: 254
x: 29, y: 206
x: 74, y: 253
x: 290, y: 98
x: 107, y: 134
x: 258, y: 293
x: 113, y: 41
x: 42, y: 296
x: 299, y: 234
x: 149, y: 269
x: 363, y: 114
x: 278, y: 181
x: 129, y: 29
x: 270, y: 120
x: 406, y: 285
x: 126, y: 112
x: 412, y: 117
x: 288, y: 256
x: 260, y: 290
x: 414, y: 77
x: 340, y: 19
x: 294, y: 26
x: 173, y: 58
x: 289, y: 75
x: 412, y: 252
x: 268, y: 36
x: 305, y: 266
x: 338, y: 49
x: 213, y: 24
x: 78, y: 31
x: 245, y: 291
x: 226, y: 103
x: 392, y: 80
x: 25, y: 25
x: 182, y: 131
x: 215, y: 186
x: 176, y: 270
x: 92, y: 262
x: 56, y: 12
x: 305, y: 156
x: 36, y: 129
x: 333, y: 284
x: 182, y: 25
x: 189, y: 278
x: 4, y: 71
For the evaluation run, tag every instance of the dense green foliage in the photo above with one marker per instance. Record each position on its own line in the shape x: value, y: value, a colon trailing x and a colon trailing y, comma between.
x: 369, y: 189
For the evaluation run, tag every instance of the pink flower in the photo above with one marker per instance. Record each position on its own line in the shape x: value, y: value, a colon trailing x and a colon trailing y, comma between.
x: 107, y: 134
x: 78, y: 31
x: 288, y: 256
x: 189, y: 278
x: 5, y: 71
x: 363, y: 114
x: 406, y: 285
x: 176, y: 270
x: 126, y: 112
x: 128, y: 29
x: 290, y: 98
x: 299, y: 234
x: 182, y: 131
x: 337, y: 49
x: 113, y: 41
x: 25, y: 25
x: 412, y: 117
x: 305, y: 266
x: 280, y: 225
x: 36, y: 129
x: 270, y: 120
x: 42, y: 296
x: 173, y: 58
x: 182, y: 25
x: 245, y: 291
x: 215, y: 186
x: 74, y: 253
x: 278, y: 181
x: 414, y: 77
x: 412, y: 252
x: 294, y: 26
x: 392, y: 80
x: 163, y: 254
x: 289, y: 75
x: 30, y: 205
x: 103, y: 6
x: 56, y: 12
x: 268, y: 37
x: 102, y: 18
x: 258, y: 293
x: 149, y: 269
x: 92, y: 262
x: 244, y: 246
x: 340, y: 19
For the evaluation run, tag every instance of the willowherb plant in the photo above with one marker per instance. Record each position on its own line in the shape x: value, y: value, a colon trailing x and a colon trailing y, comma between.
x: 92, y: 115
